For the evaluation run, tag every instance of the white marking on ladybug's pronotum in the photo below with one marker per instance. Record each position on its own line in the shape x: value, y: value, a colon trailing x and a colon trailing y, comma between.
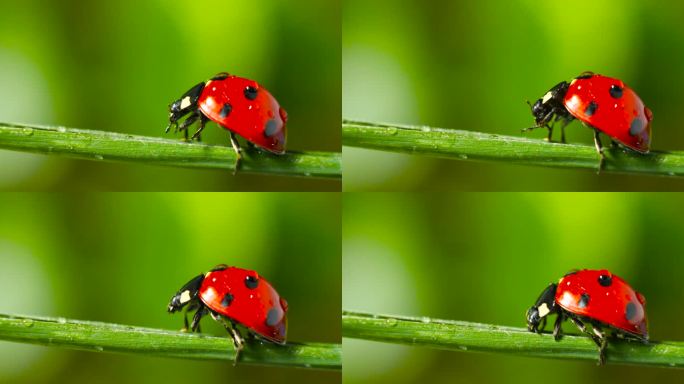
x: 547, y: 97
x: 543, y: 310
x: 185, y: 102
x: 185, y: 297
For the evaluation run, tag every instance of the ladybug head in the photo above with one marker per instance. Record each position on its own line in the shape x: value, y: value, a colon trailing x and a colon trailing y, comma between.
x: 545, y: 305
x: 549, y: 104
x: 185, y: 104
x: 186, y: 294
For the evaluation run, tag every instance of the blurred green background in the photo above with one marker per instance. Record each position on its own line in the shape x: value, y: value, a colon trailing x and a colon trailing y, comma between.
x: 120, y: 257
x: 486, y: 258
x: 116, y: 65
x: 472, y: 64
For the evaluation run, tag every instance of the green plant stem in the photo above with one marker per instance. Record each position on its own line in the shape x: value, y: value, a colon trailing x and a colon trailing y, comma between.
x: 468, y: 145
x: 465, y: 336
x: 111, y: 146
x: 103, y: 337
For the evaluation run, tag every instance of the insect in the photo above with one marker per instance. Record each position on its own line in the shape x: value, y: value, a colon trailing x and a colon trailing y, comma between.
x: 240, y: 105
x: 592, y: 297
x: 234, y: 296
x: 602, y: 103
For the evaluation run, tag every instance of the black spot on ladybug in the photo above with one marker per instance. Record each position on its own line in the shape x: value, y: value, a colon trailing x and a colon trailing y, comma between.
x: 615, y: 91
x: 591, y: 108
x: 219, y: 267
x: 271, y: 128
x: 251, y: 282
x: 583, y: 301
x: 630, y: 311
x: 227, y: 299
x: 636, y: 127
x: 586, y: 75
x: 605, y: 280
x: 225, y: 111
x: 220, y: 76
x: 250, y: 92
x: 272, y: 317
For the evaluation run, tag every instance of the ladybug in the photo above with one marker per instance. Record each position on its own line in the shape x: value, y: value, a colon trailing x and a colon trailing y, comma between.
x: 240, y: 105
x: 603, y: 103
x: 234, y: 296
x: 592, y: 297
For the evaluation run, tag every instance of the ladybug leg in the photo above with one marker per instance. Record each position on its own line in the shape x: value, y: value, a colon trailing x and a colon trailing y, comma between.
x: 195, y: 326
x: 190, y: 308
x: 544, y: 123
x: 238, y: 340
x: 542, y: 325
x: 557, y: 330
x: 188, y: 122
x: 583, y: 328
x: 602, y: 342
x: 596, y: 335
x: 599, y: 149
x: 238, y: 151
x: 202, y: 123
x: 564, y: 124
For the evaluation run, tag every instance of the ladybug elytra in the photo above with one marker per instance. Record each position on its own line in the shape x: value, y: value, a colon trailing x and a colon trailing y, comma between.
x: 592, y: 297
x: 234, y: 296
x: 602, y: 103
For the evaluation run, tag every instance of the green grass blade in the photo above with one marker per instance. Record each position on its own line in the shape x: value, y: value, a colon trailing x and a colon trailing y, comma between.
x: 475, y: 337
x: 104, y: 337
x: 111, y: 146
x: 469, y: 145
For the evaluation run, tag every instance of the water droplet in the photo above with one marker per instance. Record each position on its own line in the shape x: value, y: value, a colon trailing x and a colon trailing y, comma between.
x: 462, y: 347
x: 463, y: 156
x: 61, y: 129
x: 390, y: 131
x: 425, y: 129
x: 425, y: 320
x: 672, y: 364
x: 670, y: 173
x: 27, y: 131
x: 391, y: 322
x: 61, y: 320
x: 99, y: 348
x: 98, y: 157
x: 27, y: 323
x: 307, y: 365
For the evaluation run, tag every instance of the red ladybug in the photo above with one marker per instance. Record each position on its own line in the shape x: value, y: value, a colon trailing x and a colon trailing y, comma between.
x: 237, y: 104
x: 234, y: 296
x: 603, y: 103
x: 595, y: 297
